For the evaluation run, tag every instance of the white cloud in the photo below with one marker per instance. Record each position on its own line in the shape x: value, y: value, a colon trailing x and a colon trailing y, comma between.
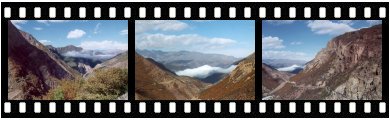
x: 159, y: 25
x: 204, y: 71
x: 329, y: 27
x: 296, y: 43
x: 18, y: 22
x: 124, y: 32
x: 103, y: 45
x: 51, y: 21
x: 374, y: 22
x: 94, y: 54
x: 203, y: 20
x: 38, y: 28
x: 290, y: 68
x: 184, y: 41
x: 270, y: 42
x: 271, y: 54
x: 96, y: 29
x: 74, y: 34
x: 280, y: 22
x: 45, y: 42
x: 348, y: 22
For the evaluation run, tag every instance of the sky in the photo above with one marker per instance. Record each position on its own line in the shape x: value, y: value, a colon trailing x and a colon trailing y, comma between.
x: 88, y: 34
x: 229, y: 37
x: 303, y: 39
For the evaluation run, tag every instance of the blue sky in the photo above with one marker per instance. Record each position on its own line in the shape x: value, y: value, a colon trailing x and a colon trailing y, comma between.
x: 229, y: 37
x: 302, y: 39
x: 88, y: 34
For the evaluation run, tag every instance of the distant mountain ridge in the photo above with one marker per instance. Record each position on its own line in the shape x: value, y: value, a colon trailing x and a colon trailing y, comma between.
x: 81, y: 64
x: 155, y: 83
x: 181, y: 60
x: 63, y: 50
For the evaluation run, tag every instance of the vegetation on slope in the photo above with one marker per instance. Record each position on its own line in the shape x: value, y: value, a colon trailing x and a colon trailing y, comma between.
x: 105, y: 84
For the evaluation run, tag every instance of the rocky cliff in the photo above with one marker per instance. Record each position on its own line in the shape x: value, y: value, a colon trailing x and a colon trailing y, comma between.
x: 349, y: 68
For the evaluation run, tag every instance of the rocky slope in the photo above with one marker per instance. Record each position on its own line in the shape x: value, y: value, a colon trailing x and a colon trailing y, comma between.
x: 119, y: 61
x: 32, y: 68
x: 272, y: 79
x: 237, y: 85
x: 155, y: 83
x: 349, y: 68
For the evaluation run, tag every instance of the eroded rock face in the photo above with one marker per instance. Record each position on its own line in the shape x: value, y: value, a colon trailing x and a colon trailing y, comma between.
x: 237, y: 85
x: 349, y: 68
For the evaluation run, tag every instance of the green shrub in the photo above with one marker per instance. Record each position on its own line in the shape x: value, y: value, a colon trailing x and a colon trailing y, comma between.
x: 107, y: 84
x: 104, y: 84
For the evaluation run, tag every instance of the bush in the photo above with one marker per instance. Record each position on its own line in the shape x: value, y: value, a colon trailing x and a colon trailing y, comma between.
x: 106, y: 84
x: 66, y: 90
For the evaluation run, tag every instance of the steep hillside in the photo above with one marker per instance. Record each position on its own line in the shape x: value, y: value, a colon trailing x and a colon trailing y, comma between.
x: 349, y: 68
x: 155, y: 83
x: 32, y: 68
x: 272, y: 79
x: 237, y: 85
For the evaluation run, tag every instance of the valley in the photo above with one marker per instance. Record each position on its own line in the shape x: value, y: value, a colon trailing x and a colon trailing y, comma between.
x: 43, y: 72
x: 154, y: 82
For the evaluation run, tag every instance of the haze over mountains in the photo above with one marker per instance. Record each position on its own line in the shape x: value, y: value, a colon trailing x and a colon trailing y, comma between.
x: 208, y: 67
x: 349, y: 68
x: 292, y: 66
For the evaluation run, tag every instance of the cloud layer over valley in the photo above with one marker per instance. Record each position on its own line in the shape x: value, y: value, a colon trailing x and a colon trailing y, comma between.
x: 204, y: 71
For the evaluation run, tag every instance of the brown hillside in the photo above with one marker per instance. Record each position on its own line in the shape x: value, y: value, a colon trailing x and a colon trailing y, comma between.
x: 32, y: 69
x: 238, y: 85
x: 154, y: 83
x: 349, y: 68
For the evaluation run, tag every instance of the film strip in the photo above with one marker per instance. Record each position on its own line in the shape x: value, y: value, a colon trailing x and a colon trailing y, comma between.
x: 133, y: 108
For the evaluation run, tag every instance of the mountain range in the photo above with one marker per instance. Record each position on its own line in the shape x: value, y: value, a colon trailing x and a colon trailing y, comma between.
x: 35, y: 69
x: 288, y: 65
x: 182, y: 61
x: 154, y: 82
x: 349, y: 68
